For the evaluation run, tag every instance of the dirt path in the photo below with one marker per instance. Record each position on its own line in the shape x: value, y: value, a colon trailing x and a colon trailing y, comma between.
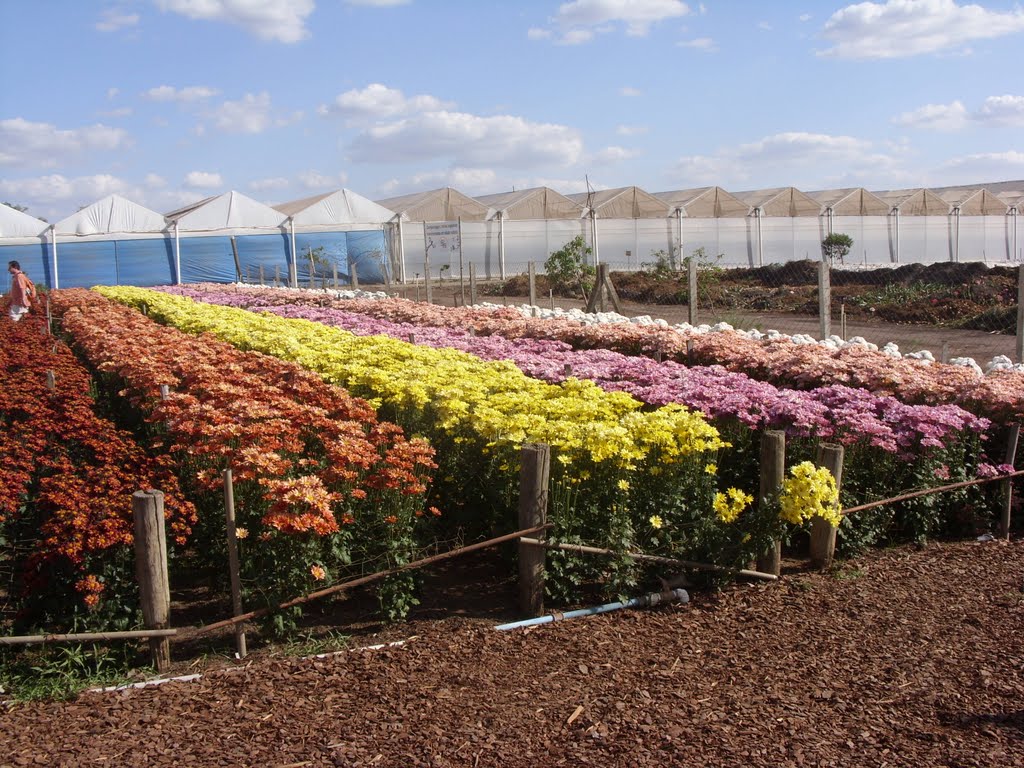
x: 902, y: 658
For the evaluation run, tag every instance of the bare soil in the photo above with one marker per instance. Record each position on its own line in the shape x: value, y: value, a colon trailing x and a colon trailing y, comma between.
x: 902, y: 657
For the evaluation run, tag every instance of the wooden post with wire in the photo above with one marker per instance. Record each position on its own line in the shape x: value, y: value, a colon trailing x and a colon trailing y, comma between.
x: 472, y: 284
x: 773, y: 470
x: 535, y: 468
x: 825, y: 297
x: 1007, y: 485
x: 823, y: 533
x: 236, y: 581
x: 353, y: 276
x: 1020, y: 314
x: 531, y: 271
x: 151, y: 570
x: 691, y: 284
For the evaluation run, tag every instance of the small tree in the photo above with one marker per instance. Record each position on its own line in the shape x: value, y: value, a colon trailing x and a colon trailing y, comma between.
x: 836, y: 246
x: 567, y: 268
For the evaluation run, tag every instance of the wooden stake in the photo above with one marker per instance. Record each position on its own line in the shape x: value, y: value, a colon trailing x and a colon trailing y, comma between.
x: 426, y: 279
x: 472, y: 284
x: 534, y: 472
x: 238, y: 263
x: 165, y: 392
x: 51, y: 381
x: 151, y: 570
x: 531, y: 271
x: 277, y: 275
x: 312, y: 270
x: 823, y: 533
x: 691, y: 280
x: 236, y: 581
x: 773, y: 469
x: 263, y: 280
x: 1007, y: 485
x: 825, y: 297
x: 354, y: 276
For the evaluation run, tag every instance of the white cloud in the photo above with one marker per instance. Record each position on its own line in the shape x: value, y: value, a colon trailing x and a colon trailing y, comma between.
x: 780, y: 159
x: 112, y: 92
x: 180, y: 95
x: 628, y: 91
x: 939, y: 117
x: 610, y: 155
x: 901, y: 28
x: 203, y: 180
x: 119, y: 112
x: 317, y: 180
x: 535, y: 33
x: 56, y: 196
x: 631, y: 130
x: 264, y: 185
x: 154, y: 180
x: 764, y: 25
x: 471, y: 181
x: 378, y: 3
x: 1006, y: 109
x: 469, y: 141
x: 705, y: 44
x: 113, y: 20
x: 377, y: 101
x: 251, y: 114
x: 976, y: 168
x: 576, y: 37
x: 23, y: 143
x: 636, y: 15
x: 804, y: 17
x: 281, y: 20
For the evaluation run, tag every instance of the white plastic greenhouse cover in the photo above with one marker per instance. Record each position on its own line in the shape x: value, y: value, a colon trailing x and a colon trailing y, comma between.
x: 230, y: 211
x: 979, y: 202
x: 915, y: 202
x: 342, y: 206
x: 623, y: 203
x: 17, y: 224
x: 534, y: 203
x: 705, y: 203
x: 112, y: 214
x: 781, y: 201
x: 445, y: 204
x: 851, y: 201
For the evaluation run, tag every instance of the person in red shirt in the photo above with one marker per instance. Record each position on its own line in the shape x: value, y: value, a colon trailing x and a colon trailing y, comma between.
x: 22, y: 292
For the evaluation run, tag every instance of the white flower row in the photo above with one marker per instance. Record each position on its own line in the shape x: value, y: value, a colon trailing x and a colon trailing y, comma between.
x: 998, y: 363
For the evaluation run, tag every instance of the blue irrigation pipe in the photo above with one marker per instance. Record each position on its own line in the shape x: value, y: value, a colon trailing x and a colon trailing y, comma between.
x: 675, y: 595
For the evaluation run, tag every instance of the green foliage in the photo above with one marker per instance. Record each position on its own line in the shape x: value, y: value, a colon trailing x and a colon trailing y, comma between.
x: 836, y: 246
x: 662, y: 267
x: 62, y: 671
x: 567, y: 268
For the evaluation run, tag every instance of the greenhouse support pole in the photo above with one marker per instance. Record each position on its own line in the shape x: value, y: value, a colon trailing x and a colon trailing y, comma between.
x: 177, y: 256
x: 401, y: 252
x: 501, y: 244
x: 53, y: 239
x: 956, y: 233
x: 679, y: 230
x: 896, y: 219
x: 760, y: 242
x: 293, y: 264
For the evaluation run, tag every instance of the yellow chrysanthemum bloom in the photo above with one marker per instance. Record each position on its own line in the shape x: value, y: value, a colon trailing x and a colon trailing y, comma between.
x: 808, y: 492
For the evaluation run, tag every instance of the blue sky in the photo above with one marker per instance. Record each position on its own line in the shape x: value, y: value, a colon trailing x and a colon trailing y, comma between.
x: 169, y: 101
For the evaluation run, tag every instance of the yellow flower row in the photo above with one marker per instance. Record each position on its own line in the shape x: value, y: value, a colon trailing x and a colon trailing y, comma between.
x: 453, y: 391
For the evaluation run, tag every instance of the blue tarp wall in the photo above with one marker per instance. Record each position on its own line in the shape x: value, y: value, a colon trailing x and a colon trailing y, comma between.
x: 148, y: 262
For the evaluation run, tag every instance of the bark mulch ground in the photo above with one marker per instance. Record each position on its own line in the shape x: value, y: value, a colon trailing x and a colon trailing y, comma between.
x: 902, y: 657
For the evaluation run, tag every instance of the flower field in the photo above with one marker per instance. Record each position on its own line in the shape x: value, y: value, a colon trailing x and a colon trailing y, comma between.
x: 362, y: 433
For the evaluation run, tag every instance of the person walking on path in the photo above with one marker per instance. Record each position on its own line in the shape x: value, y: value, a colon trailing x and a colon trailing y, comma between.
x: 22, y: 292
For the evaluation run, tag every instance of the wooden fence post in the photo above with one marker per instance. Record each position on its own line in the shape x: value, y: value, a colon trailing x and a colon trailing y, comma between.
x: 533, y: 505
x: 472, y: 284
x: 531, y: 271
x: 263, y: 280
x: 277, y: 275
x: 825, y: 297
x: 1007, y: 485
x: 238, y: 263
x: 151, y: 570
x: 773, y: 470
x: 823, y: 533
x: 426, y: 279
x: 51, y: 381
x: 691, y: 279
x: 334, y: 274
x: 236, y: 581
x: 312, y: 270
x: 353, y: 272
